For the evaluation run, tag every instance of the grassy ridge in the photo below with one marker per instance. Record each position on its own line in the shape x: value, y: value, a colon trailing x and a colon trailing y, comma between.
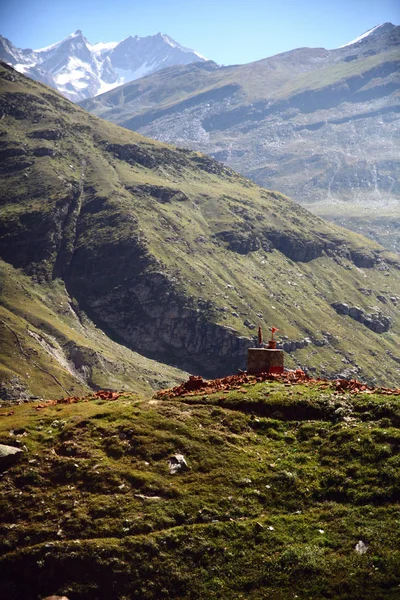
x: 272, y: 78
x: 271, y: 507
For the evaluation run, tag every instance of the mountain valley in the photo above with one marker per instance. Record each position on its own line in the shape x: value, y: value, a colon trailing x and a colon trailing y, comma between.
x: 138, y: 458
x: 106, y: 235
x: 321, y: 126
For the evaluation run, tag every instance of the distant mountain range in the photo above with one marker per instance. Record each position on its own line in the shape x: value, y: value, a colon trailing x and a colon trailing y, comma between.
x: 81, y: 70
x: 321, y: 126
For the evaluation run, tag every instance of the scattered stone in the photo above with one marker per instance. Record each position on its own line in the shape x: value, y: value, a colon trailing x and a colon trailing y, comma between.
x: 362, y: 258
x: 288, y: 346
x: 356, y: 313
x: 42, y: 151
x: 132, y: 154
x: 163, y: 195
x: 143, y: 497
x: 8, y: 456
x: 376, y: 322
x: 320, y: 343
x: 248, y: 324
x: 361, y: 547
x: 341, y: 308
x: 46, y: 134
x: 177, y: 464
x: 196, y: 384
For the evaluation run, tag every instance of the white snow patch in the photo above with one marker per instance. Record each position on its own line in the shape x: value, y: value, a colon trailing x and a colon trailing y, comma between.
x: 101, y: 47
x: 23, y: 68
x: 361, y: 37
x: 76, y: 73
x: 200, y: 55
x: 106, y: 87
x: 125, y: 75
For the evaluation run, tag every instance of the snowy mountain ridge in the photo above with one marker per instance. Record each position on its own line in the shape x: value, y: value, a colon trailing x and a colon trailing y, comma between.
x: 82, y: 70
x: 364, y: 35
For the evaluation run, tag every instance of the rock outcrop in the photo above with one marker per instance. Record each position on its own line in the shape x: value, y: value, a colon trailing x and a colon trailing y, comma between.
x: 377, y: 322
x: 8, y: 456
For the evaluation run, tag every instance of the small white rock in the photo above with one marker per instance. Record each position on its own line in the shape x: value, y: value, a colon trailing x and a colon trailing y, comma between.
x: 361, y: 548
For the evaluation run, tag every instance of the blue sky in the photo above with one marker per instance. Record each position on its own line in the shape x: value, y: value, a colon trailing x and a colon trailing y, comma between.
x: 227, y: 31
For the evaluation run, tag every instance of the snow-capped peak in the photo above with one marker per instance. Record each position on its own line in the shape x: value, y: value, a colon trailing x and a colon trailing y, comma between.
x: 361, y: 37
x: 82, y: 70
x: 170, y: 41
x: 77, y: 33
x: 174, y: 44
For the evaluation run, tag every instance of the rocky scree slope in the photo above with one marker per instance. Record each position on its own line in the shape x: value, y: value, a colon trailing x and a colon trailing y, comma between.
x: 82, y: 70
x: 177, y: 257
x: 281, y: 492
x: 320, y: 125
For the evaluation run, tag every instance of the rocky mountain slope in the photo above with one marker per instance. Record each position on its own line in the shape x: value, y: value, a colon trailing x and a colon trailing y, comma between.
x: 267, y: 491
x: 173, y: 255
x: 82, y: 70
x: 320, y: 125
x: 50, y: 348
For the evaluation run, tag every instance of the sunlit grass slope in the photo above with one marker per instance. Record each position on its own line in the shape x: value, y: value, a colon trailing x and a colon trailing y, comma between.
x: 282, y: 484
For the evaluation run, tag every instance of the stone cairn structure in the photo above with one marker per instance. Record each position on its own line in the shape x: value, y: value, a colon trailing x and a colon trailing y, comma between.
x: 265, y: 359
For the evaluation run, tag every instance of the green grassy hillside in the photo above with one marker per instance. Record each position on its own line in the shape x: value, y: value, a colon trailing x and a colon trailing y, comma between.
x: 289, y: 492
x: 175, y: 256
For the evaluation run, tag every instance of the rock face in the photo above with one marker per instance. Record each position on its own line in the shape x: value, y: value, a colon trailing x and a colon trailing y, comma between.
x: 15, y: 391
x: 315, y: 124
x: 81, y: 70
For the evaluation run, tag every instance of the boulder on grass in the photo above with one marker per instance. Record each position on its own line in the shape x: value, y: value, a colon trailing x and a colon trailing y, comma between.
x: 8, y: 456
